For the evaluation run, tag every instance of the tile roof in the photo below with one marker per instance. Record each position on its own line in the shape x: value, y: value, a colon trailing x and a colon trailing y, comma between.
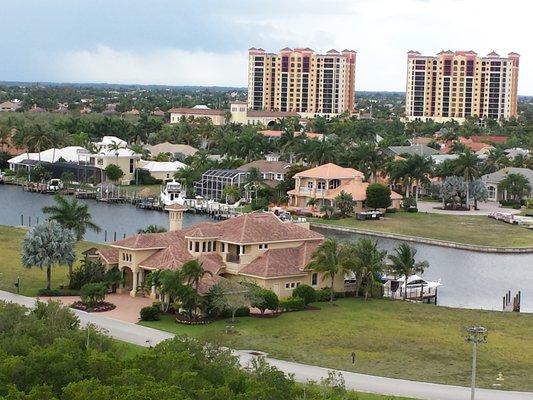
x: 171, y: 148
x: 196, y: 111
x: 176, y: 207
x: 147, y: 241
x: 330, y: 171
x: 109, y: 255
x: 275, y: 263
x: 267, y: 166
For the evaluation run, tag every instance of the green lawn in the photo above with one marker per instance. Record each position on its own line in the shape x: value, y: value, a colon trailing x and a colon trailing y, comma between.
x: 31, y: 280
x: 390, y: 338
x: 478, y: 230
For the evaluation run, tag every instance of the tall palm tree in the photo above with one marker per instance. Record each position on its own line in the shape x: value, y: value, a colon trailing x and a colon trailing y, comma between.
x: 366, y: 261
x: 329, y: 259
x: 516, y: 185
x: 404, y: 263
x: 467, y: 165
x: 418, y: 168
x: 38, y: 137
x: 231, y: 193
x: 193, y: 271
x: 71, y: 215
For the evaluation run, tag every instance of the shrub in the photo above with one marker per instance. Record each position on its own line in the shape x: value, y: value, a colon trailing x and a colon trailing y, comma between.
x: 260, y: 203
x: 305, y: 292
x: 390, y: 210
x: 89, y: 271
x: 241, y: 312
x: 323, y: 294
x: 264, y: 299
x: 149, y: 313
x: 144, y: 178
x: 92, y: 293
x: 292, y: 304
x: 409, y: 203
x: 510, y: 203
x: 378, y: 196
x: 48, y: 292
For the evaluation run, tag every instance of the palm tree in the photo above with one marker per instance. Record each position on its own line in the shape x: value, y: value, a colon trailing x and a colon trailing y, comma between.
x: 47, y: 245
x: 366, y: 261
x: 404, y: 263
x: 329, y: 259
x: 231, y: 193
x: 516, y: 185
x: 312, y: 202
x: 193, y: 271
x: 418, y: 168
x: 73, y: 216
x: 187, y: 176
x: 38, y: 137
x: 467, y: 165
x: 152, y: 228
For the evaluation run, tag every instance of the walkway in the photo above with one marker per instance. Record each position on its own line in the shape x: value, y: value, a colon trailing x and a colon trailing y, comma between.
x: 485, y: 208
x: 144, y: 336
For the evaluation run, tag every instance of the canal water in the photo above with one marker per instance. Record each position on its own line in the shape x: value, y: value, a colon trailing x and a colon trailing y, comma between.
x: 470, y: 279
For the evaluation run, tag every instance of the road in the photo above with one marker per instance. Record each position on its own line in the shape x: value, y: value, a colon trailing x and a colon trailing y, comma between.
x: 144, y: 336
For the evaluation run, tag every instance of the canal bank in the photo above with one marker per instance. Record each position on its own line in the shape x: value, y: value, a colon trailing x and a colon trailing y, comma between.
x: 433, y: 242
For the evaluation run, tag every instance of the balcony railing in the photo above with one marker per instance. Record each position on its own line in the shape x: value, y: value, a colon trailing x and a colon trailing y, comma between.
x: 233, y: 258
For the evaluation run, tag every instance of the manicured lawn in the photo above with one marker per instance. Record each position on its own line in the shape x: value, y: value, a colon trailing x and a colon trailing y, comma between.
x: 131, y: 189
x: 478, y: 230
x: 390, y: 338
x: 31, y: 280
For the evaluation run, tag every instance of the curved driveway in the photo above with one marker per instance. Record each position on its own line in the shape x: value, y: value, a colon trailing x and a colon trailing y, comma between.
x: 144, y: 336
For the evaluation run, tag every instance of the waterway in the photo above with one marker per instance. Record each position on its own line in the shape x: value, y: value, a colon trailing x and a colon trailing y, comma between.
x: 470, y: 279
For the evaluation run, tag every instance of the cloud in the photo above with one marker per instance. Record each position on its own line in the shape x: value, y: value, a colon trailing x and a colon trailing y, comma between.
x: 159, y: 66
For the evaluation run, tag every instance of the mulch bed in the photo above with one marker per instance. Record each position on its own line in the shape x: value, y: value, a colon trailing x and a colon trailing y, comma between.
x: 98, y: 307
x: 186, y: 320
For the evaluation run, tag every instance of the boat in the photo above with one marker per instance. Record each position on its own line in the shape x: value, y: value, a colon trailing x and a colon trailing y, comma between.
x: 417, y: 288
x: 2, y: 178
x: 173, y: 194
x: 54, y: 185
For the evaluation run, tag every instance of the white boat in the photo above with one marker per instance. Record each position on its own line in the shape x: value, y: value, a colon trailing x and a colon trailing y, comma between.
x: 173, y: 194
x: 417, y: 288
x: 55, y: 185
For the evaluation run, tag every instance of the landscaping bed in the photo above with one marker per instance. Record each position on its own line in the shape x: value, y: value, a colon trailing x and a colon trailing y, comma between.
x: 101, y: 306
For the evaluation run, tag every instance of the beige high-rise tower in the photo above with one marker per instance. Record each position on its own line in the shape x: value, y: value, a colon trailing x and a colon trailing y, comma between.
x: 299, y: 80
x: 461, y: 84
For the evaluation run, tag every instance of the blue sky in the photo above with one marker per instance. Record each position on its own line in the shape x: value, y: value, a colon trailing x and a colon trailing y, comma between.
x: 204, y: 42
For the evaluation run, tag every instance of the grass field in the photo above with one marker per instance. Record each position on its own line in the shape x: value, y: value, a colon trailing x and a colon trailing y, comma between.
x: 31, y: 280
x: 390, y: 338
x: 478, y: 230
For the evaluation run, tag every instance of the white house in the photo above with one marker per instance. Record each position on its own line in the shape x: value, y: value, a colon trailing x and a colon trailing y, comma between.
x: 493, y: 180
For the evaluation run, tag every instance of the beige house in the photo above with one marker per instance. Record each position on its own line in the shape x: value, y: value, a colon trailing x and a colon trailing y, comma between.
x: 217, y: 117
x: 241, y: 114
x: 162, y: 170
x: 326, y: 182
x: 255, y: 247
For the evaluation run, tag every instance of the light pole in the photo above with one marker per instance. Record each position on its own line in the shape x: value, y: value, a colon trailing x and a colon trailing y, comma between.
x: 475, y: 335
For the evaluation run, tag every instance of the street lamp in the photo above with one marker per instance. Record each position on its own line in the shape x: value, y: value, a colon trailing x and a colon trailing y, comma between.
x: 475, y: 335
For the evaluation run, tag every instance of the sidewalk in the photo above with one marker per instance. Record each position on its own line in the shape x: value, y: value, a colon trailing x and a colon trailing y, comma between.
x: 144, y: 336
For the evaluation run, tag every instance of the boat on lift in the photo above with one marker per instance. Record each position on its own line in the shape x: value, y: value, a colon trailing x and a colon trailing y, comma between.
x: 173, y: 193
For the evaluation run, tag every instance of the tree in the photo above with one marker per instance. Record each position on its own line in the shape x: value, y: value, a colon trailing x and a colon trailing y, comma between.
x: 453, y: 190
x: 46, y: 245
x: 403, y: 263
x: 113, y: 172
x: 467, y: 165
x: 71, y: 215
x: 516, y: 185
x: 366, y: 261
x: 187, y: 176
x: 67, y: 177
x: 152, y: 228
x: 418, y: 168
x: 263, y: 299
x: 345, y: 204
x: 232, y: 296
x: 378, y: 196
x: 478, y: 191
x: 329, y: 259
x: 192, y: 272
x: 93, y: 293
x: 305, y: 292
x: 231, y: 193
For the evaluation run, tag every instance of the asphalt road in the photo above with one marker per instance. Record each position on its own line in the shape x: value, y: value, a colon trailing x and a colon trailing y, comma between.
x: 144, y: 336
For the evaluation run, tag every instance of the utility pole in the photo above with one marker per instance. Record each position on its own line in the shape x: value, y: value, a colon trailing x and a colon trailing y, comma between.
x: 475, y: 335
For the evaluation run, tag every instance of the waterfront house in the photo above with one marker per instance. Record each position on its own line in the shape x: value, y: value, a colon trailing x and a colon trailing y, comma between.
x: 493, y: 180
x: 272, y: 169
x: 176, y: 150
x: 326, y: 182
x: 420, y: 149
x: 211, y: 185
x: 255, y: 247
x: 162, y: 170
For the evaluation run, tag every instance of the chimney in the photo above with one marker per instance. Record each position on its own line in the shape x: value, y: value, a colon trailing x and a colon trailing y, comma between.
x: 175, y: 216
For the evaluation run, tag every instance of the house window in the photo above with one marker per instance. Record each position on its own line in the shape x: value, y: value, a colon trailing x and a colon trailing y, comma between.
x: 197, y: 247
x: 131, y: 165
x: 321, y: 185
x: 214, y: 246
x: 291, y: 285
x: 334, y: 183
x: 209, y: 246
x: 190, y: 246
x: 314, y: 279
x: 310, y: 185
x: 263, y: 246
x: 203, y: 247
x: 223, y: 245
x: 492, y: 192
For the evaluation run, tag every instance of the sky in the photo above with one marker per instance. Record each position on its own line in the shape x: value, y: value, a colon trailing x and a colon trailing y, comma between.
x: 205, y: 42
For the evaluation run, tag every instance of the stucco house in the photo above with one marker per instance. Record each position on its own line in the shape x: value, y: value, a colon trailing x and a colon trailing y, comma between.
x: 255, y: 247
x: 324, y: 183
x: 492, y: 181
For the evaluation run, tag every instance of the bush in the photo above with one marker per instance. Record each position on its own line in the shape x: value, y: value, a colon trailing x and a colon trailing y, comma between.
x: 378, y: 196
x: 92, y: 293
x: 409, y: 203
x: 48, y: 292
x: 264, y: 299
x: 323, y: 294
x: 510, y: 203
x: 241, y: 312
x: 390, y: 210
x: 260, y: 203
x: 305, y: 292
x: 88, y: 272
x: 144, y: 178
x: 292, y: 304
x: 149, y: 313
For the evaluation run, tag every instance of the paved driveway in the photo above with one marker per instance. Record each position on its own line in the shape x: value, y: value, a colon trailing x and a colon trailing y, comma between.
x: 485, y: 208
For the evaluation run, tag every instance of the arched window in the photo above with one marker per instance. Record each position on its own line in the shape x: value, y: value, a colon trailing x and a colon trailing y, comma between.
x: 491, y: 191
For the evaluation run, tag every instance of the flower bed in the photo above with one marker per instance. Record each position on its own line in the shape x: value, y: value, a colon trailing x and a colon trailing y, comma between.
x: 98, y: 307
x: 186, y: 320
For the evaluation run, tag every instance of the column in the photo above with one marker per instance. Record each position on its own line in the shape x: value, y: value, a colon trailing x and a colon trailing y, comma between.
x: 153, y: 293
x: 135, y: 282
x: 120, y: 288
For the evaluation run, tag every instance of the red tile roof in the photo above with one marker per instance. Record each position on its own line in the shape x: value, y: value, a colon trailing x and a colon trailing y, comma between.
x: 275, y: 263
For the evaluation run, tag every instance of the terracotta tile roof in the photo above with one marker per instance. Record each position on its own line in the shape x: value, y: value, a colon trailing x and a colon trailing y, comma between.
x: 196, y: 111
x: 109, y: 255
x: 146, y: 241
x: 265, y: 166
x: 357, y: 190
x: 330, y: 171
x: 282, y: 262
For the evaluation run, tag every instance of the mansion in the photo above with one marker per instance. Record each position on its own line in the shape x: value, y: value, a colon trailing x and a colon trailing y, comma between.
x: 257, y: 247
